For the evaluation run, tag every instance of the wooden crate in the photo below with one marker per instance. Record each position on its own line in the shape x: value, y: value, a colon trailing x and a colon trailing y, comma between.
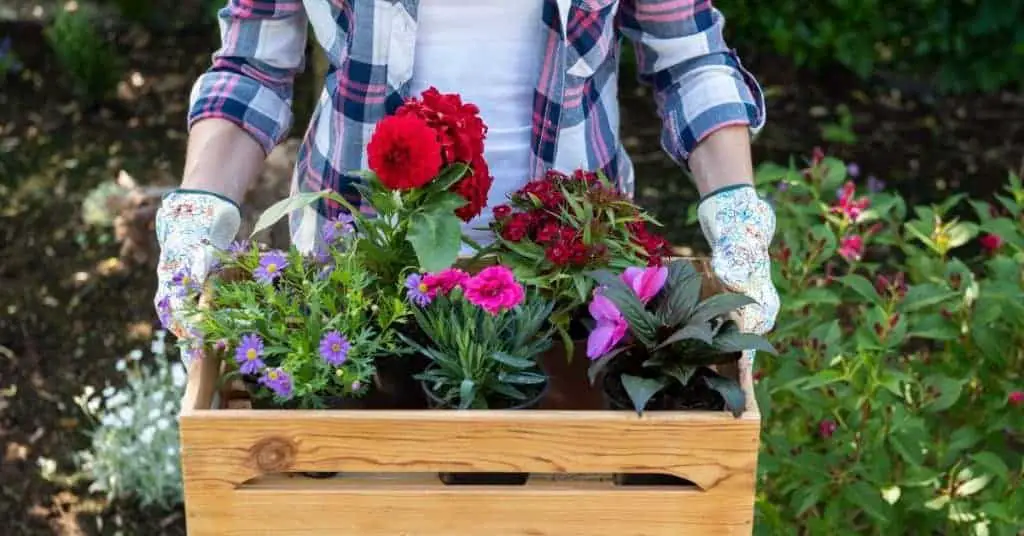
x: 240, y: 469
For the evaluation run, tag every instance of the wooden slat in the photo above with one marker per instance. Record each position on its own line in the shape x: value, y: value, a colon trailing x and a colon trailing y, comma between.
x: 462, y: 511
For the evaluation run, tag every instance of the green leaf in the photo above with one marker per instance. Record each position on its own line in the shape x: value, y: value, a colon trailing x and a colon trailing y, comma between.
x: 922, y: 296
x: 949, y: 392
x: 992, y: 463
x: 508, y: 391
x: 861, y: 286
x: 512, y: 361
x: 719, y: 305
x: 699, y: 332
x: 869, y: 499
x: 436, y: 238
x: 681, y: 373
x: 284, y: 207
x: 597, y: 366
x: 467, y: 392
x: 682, y: 292
x: 522, y: 378
x: 737, y: 341
x: 735, y: 399
x: 640, y: 390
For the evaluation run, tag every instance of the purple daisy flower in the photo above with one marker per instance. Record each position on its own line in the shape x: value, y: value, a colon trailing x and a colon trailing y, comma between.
x: 249, y: 353
x: 184, y: 280
x: 875, y: 185
x: 853, y: 170
x: 272, y: 263
x: 417, y: 290
x: 334, y: 348
x: 163, y: 312
x: 239, y: 247
x: 336, y: 228
x: 278, y: 381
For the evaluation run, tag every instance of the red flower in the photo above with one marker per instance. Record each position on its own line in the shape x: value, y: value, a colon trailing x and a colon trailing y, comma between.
x: 851, y: 247
x: 548, y: 232
x: 501, y: 212
x: 826, y: 428
x: 579, y: 253
x: 588, y: 177
x: 404, y: 152
x: 459, y: 127
x: 517, y: 228
x: 558, y: 253
x: 1016, y: 398
x: 474, y: 188
x: 848, y: 206
x: 991, y: 242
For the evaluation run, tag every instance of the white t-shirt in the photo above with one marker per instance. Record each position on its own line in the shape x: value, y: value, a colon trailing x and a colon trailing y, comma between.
x: 490, y: 52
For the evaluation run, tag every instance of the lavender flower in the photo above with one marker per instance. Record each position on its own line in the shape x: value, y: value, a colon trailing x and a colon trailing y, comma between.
x: 336, y: 228
x: 278, y: 381
x: 163, y: 311
x: 875, y: 185
x: 272, y: 263
x: 249, y: 353
x: 239, y: 248
x: 356, y: 386
x: 334, y: 348
x: 417, y: 290
x: 783, y: 186
x: 853, y: 170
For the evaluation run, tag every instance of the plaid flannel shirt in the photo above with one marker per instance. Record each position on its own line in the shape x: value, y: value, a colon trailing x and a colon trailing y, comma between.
x: 699, y: 83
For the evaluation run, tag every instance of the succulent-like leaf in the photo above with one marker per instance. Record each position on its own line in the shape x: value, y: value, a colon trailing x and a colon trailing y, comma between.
x: 509, y: 391
x: 467, y: 392
x: 641, y: 390
x: 735, y: 399
x: 699, y: 332
x: 512, y: 361
x: 731, y: 339
x: 718, y: 305
x: 681, y: 293
x: 681, y: 373
x: 522, y: 378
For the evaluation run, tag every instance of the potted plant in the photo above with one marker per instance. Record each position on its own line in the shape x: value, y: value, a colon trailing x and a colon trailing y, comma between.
x: 482, y: 335
x: 555, y: 230
x: 655, y: 343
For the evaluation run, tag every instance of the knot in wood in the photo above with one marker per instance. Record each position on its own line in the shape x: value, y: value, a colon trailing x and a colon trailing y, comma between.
x: 273, y: 454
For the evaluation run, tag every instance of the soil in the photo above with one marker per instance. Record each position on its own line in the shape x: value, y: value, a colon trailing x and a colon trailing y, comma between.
x: 70, y: 306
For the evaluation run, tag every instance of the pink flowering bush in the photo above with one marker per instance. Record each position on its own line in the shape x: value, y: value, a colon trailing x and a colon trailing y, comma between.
x: 895, y: 404
x: 482, y: 334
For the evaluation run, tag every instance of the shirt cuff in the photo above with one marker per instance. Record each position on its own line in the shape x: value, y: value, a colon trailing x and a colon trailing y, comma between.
x: 256, y: 109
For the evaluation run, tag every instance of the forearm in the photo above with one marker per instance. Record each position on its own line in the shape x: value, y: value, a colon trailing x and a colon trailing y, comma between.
x: 221, y: 158
x: 722, y: 159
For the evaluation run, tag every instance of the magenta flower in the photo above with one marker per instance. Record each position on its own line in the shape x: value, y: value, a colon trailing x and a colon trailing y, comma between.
x: 826, y: 428
x: 611, y: 327
x: 278, y: 381
x: 444, y: 281
x: 645, y: 282
x: 336, y: 228
x: 494, y: 290
x: 1016, y: 398
x: 991, y: 242
x: 249, y: 354
x: 848, y: 205
x: 334, y: 348
x: 417, y: 290
x: 272, y: 263
x: 851, y: 247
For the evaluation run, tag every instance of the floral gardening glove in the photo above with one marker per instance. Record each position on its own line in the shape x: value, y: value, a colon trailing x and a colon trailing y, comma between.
x: 190, y: 225
x: 739, y: 227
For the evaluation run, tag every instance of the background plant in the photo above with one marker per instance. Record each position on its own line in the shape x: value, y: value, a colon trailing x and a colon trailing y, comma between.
x: 133, y: 448
x: 895, y: 406
x: 84, y: 53
x: 308, y: 327
x: 481, y: 359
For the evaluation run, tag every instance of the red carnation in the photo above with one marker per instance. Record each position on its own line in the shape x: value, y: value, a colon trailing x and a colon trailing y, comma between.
x: 579, y: 253
x: 474, y: 188
x: 501, y: 212
x: 459, y: 127
x: 558, y: 253
x: 404, y: 152
x: 548, y: 232
x: 517, y: 228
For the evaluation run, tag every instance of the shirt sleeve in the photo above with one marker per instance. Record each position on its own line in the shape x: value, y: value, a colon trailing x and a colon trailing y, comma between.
x: 699, y: 83
x: 250, y: 83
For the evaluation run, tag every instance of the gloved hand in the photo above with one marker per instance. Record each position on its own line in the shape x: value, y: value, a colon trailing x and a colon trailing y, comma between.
x: 190, y: 226
x: 739, y: 227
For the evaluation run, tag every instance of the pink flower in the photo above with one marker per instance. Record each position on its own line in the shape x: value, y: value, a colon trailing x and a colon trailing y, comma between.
x: 646, y: 282
x: 611, y: 327
x: 847, y: 205
x: 444, y: 281
x: 851, y: 247
x: 494, y: 289
x: 991, y: 242
x: 1016, y: 398
x: 826, y: 428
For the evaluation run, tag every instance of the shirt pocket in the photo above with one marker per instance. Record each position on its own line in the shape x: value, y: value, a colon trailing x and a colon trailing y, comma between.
x: 589, y: 35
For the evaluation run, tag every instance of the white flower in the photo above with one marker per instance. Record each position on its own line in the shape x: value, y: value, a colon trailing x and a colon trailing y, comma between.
x: 153, y: 414
x: 47, y: 467
x: 159, y: 348
x: 178, y: 375
x: 120, y: 366
x: 88, y: 391
x: 135, y: 354
x: 108, y: 391
x: 110, y: 420
x: 146, y: 436
x: 126, y: 414
x: 157, y: 397
x: 117, y: 400
x: 163, y: 424
x: 93, y: 405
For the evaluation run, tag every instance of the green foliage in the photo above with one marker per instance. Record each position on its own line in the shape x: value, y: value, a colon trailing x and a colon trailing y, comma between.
x: 92, y: 63
x: 480, y: 360
x: 963, y: 44
x: 313, y: 297
x: 891, y: 408
x: 676, y: 338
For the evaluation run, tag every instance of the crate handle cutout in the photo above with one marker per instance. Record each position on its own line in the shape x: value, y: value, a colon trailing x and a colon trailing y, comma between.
x: 296, y: 480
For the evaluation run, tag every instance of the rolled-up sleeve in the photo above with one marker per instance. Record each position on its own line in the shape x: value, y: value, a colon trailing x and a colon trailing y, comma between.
x: 250, y: 83
x: 699, y: 83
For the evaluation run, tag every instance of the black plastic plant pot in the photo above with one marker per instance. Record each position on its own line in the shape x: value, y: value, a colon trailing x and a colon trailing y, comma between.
x: 483, y: 478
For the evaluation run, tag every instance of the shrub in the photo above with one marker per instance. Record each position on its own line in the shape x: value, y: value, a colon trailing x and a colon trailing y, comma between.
x: 895, y: 405
x: 963, y: 45
x: 133, y: 452
x: 88, y: 58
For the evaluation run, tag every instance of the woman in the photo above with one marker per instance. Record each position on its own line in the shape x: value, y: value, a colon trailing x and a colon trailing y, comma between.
x: 544, y: 74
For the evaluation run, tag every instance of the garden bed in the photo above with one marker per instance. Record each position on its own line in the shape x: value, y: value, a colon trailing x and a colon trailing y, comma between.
x: 241, y: 469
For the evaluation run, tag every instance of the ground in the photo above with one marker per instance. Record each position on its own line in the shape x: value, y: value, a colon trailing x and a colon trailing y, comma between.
x: 69, y: 308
